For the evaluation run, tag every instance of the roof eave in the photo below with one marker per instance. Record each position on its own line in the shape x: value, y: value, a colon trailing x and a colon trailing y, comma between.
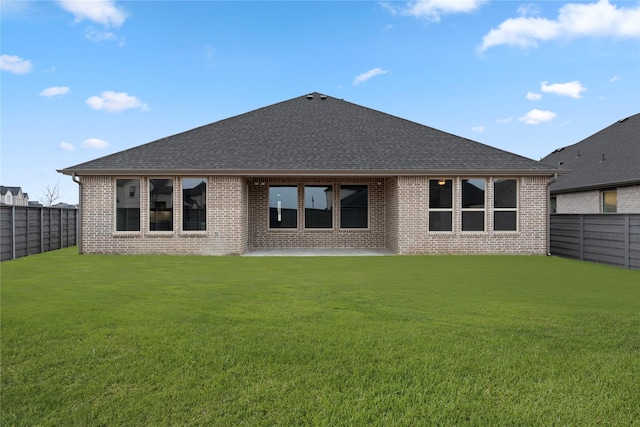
x: 313, y: 172
x: 600, y: 186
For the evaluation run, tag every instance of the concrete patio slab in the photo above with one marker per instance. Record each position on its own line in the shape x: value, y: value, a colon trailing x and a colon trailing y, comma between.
x: 319, y: 252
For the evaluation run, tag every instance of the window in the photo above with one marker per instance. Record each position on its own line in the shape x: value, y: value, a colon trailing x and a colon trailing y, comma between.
x: 127, y: 205
x: 609, y: 201
x: 283, y: 206
x: 194, y: 204
x: 354, y: 206
x: 160, y: 204
x: 440, y: 205
x: 318, y: 206
x: 554, y: 205
x: 505, y: 204
x: 473, y: 196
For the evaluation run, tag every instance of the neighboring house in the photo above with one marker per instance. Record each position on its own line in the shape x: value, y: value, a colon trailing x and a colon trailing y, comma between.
x: 13, y: 196
x: 604, y: 172
x: 64, y: 206
x: 313, y: 172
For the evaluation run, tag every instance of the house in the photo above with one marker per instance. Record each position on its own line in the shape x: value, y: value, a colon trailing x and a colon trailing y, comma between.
x: 13, y: 196
x: 313, y: 172
x: 605, y: 172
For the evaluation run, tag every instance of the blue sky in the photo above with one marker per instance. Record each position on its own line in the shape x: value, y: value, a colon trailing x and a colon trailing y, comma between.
x: 83, y: 79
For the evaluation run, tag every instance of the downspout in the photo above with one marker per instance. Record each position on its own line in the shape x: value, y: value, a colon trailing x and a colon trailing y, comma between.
x: 551, y: 181
x: 79, y: 220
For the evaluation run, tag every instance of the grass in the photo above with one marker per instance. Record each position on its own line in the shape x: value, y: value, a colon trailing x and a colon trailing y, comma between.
x: 433, y: 340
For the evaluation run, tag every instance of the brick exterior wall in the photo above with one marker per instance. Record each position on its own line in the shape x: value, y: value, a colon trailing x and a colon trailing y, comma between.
x: 226, y: 220
x: 414, y: 236
x: 580, y: 202
x: 590, y: 202
x: 263, y: 237
x: 629, y: 199
x: 238, y: 214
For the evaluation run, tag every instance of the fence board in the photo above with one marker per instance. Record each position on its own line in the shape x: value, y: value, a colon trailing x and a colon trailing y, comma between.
x: 26, y: 230
x: 606, y: 238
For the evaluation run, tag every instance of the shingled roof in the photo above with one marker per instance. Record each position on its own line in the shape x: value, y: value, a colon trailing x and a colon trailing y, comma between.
x: 312, y: 134
x: 608, y: 158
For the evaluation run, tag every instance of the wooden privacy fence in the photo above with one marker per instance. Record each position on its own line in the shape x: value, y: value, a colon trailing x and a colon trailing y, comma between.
x: 26, y: 230
x: 606, y: 238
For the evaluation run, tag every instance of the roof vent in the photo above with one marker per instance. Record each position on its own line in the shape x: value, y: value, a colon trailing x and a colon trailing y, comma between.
x: 310, y: 96
x: 323, y: 97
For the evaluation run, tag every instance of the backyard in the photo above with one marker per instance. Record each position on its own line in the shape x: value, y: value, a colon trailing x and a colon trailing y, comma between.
x: 245, y: 341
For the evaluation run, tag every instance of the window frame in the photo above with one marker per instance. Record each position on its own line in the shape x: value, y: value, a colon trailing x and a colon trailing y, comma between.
x: 483, y: 209
x: 603, y: 205
x: 204, y: 208
x: 450, y: 209
x: 126, y: 191
x: 304, y: 207
x: 515, y: 209
x: 149, y: 205
x: 339, y: 213
x: 297, y: 226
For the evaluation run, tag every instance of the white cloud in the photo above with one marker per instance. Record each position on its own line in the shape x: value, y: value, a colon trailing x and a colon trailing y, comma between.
x: 103, y: 36
x: 14, y: 64
x: 615, y: 79
x: 600, y: 19
x: 369, y: 74
x: 529, y: 10
x: 478, y: 129
x: 535, y: 117
x: 66, y: 146
x: 505, y: 120
x: 434, y: 9
x: 115, y: 101
x: 103, y: 12
x: 55, y: 91
x: 95, y: 143
x: 533, y: 96
x: 571, y: 89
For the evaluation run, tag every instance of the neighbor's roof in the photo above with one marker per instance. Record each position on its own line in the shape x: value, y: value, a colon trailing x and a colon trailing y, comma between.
x: 13, y: 190
x: 312, y: 134
x: 610, y: 157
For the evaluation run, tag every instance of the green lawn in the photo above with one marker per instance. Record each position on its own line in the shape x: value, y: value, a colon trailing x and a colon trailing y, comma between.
x: 391, y: 341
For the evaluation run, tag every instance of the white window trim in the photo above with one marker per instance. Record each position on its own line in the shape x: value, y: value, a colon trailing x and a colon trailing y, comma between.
x: 115, y: 205
x: 602, y: 204
x: 339, y: 210
x: 206, y: 206
x: 463, y: 209
x: 516, y: 209
x: 334, y: 220
x: 451, y: 209
x: 173, y: 213
x: 288, y: 229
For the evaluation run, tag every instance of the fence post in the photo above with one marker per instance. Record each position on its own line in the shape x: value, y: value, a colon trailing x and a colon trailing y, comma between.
x: 13, y: 232
x: 581, y: 237
x: 627, y: 241
x: 60, y: 228
x: 41, y: 213
x: 26, y: 209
